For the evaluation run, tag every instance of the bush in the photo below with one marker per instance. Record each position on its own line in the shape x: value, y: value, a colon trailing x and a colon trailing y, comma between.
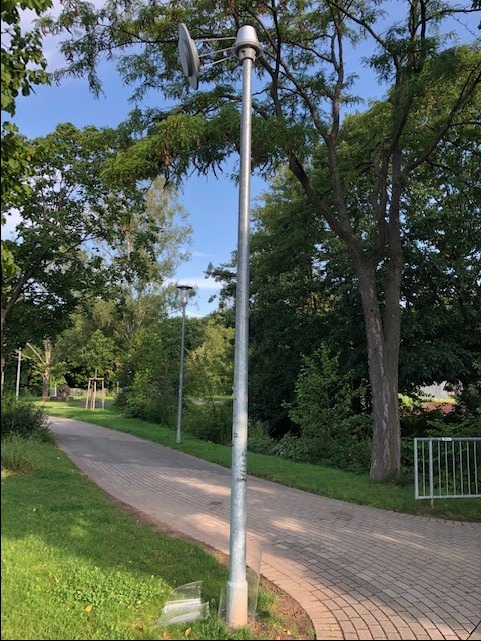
x: 351, y: 452
x: 15, y: 453
x: 426, y: 423
x: 420, y: 422
x: 331, y: 432
x: 291, y: 447
x: 150, y: 400
x: 24, y: 418
x: 258, y: 439
x: 209, y: 421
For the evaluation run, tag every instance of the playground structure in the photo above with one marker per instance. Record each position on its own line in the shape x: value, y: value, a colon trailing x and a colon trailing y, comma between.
x: 95, y: 387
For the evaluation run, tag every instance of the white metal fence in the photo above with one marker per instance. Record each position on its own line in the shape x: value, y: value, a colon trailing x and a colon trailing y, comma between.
x: 447, y: 468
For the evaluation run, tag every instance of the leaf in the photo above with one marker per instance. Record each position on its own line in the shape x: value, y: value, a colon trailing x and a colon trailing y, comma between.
x: 88, y: 608
x: 187, y: 632
x: 165, y: 635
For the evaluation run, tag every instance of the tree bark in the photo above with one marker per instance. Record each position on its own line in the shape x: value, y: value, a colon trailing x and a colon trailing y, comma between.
x: 45, y: 384
x: 383, y: 357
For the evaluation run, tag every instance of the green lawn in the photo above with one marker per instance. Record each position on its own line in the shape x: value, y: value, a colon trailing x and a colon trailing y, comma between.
x: 337, y: 484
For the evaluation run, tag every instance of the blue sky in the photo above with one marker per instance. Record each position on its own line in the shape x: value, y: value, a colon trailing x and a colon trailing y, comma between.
x: 211, y: 203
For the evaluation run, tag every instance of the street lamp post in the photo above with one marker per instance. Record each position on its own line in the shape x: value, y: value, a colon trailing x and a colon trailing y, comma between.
x: 246, y: 48
x: 184, y: 289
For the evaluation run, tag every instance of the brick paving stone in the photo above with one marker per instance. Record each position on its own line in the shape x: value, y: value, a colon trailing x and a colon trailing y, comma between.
x: 359, y: 572
x: 364, y: 634
x: 475, y: 634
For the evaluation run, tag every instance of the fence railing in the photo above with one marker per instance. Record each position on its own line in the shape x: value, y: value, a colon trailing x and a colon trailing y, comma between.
x: 447, y: 468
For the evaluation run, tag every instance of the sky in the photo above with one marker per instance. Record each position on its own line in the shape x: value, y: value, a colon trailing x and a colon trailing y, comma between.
x: 211, y: 202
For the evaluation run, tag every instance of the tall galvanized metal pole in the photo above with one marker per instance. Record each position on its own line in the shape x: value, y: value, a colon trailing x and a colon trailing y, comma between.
x: 184, y: 289
x: 246, y: 48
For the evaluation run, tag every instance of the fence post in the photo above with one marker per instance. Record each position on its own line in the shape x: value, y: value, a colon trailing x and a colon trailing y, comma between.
x: 416, y: 470
x: 431, y: 473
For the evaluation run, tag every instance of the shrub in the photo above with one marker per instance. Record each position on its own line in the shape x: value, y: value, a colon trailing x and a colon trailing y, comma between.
x: 351, y: 452
x: 291, y: 447
x: 24, y: 418
x: 150, y: 379
x: 15, y: 453
x: 331, y: 432
x: 210, y: 421
x: 258, y: 439
x: 150, y: 399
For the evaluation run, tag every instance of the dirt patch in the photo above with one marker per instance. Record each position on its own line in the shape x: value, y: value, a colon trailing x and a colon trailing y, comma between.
x: 291, y: 620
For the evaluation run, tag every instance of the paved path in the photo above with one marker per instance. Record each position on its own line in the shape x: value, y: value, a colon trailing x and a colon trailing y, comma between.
x: 359, y: 572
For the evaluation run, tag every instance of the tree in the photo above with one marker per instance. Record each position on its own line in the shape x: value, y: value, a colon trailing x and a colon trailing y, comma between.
x: 356, y: 185
x: 46, y: 363
x: 324, y: 395
x: 303, y: 295
x: 441, y: 291
x: 80, y: 235
x: 210, y: 365
x: 22, y: 67
x: 151, y: 374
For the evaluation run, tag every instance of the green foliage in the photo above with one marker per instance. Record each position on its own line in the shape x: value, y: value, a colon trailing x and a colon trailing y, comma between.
x: 8, y: 265
x: 292, y: 447
x: 23, y: 63
x: 23, y: 418
x: 210, y: 421
x: 144, y: 231
x: 209, y: 367
x: 330, y: 431
x: 285, y: 320
x: 323, y: 395
x: 151, y: 396
x: 151, y: 377
x: 22, y: 67
x: 169, y: 147
x: 17, y: 166
x: 98, y: 354
x: 469, y: 401
x: 258, y: 438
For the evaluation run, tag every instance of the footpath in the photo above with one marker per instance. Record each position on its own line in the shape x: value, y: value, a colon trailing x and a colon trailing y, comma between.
x: 359, y: 572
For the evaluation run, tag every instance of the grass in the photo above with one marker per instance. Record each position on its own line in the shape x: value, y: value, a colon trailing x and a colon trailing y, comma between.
x: 330, y: 482
x: 76, y: 566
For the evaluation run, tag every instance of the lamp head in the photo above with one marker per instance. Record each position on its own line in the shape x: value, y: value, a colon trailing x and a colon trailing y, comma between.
x: 184, y: 289
x: 189, y: 58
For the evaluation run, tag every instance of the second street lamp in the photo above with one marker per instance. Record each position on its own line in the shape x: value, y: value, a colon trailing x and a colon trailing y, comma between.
x: 183, y: 289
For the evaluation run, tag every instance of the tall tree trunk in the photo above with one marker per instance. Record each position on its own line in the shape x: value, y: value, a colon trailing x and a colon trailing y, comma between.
x: 45, y: 384
x: 383, y: 356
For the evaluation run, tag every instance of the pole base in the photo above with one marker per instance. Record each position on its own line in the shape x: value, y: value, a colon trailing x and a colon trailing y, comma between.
x: 236, y: 606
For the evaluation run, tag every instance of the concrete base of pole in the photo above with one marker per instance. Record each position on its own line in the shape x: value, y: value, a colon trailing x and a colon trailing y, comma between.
x: 236, y: 604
